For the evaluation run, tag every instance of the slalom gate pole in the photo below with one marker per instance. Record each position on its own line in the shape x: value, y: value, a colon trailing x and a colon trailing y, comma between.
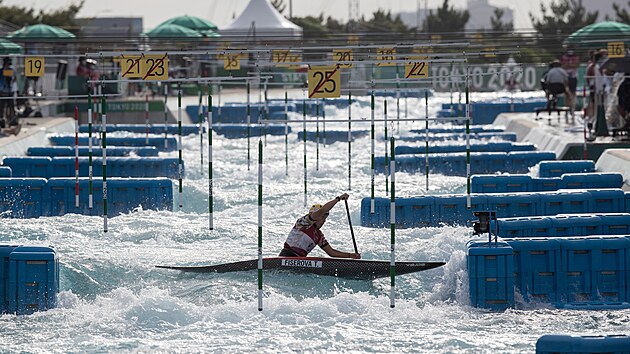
x: 354, y: 241
x: 146, y: 119
x: 219, y: 105
x: 349, y: 140
x: 76, y: 154
x: 249, y: 121
x: 426, y: 140
x: 165, y: 116
x: 468, y: 197
x: 317, y: 135
x: 392, y: 208
x: 210, y: 181
x: 286, y: 133
x: 90, y: 172
x: 179, y: 145
x: 304, y: 141
x: 324, y: 120
x: 386, y: 142
x: 406, y: 116
x: 260, y: 226
x: 372, y: 154
x: 104, y: 148
x: 201, y: 116
x: 397, y: 101
x: 584, y: 146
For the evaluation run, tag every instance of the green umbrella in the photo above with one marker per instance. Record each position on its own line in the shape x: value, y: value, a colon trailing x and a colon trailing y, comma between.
x: 7, y: 47
x: 40, y: 31
x: 210, y: 34
x: 598, y: 35
x: 192, y: 22
x: 173, y: 31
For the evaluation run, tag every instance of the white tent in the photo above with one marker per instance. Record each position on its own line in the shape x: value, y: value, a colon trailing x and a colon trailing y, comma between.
x: 260, y: 20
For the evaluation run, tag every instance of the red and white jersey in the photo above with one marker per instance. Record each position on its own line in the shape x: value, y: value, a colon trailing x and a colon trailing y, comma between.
x: 305, y: 236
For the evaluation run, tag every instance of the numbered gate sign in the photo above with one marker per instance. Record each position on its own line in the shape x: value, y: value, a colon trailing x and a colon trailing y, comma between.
x: 154, y: 67
x: 232, y: 62
x: 616, y: 50
x: 130, y: 67
x: 324, y: 82
x: 417, y: 69
x: 34, y: 66
x: 384, y: 55
x: 344, y: 55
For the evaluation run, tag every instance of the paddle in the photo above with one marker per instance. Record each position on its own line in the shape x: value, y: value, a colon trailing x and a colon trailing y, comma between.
x: 354, y: 242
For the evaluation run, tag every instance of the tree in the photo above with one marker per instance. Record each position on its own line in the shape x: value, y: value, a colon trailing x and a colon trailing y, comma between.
x: 566, y: 17
x: 621, y: 13
x: 446, y: 19
x: 312, y: 27
x: 382, y: 21
x: 21, y: 16
x: 497, y: 25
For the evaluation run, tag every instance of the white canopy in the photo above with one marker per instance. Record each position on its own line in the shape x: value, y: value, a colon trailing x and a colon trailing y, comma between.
x: 262, y: 20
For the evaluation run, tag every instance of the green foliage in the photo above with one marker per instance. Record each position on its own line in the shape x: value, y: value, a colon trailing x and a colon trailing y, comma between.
x: 21, y: 16
x: 621, y: 13
x: 565, y: 17
x: 382, y: 21
x: 312, y: 27
x: 446, y: 19
x: 497, y: 25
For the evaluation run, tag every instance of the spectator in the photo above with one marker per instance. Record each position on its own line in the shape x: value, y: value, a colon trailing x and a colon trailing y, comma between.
x: 8, y: 86
x: 570, y: 63
x: 555, y: 82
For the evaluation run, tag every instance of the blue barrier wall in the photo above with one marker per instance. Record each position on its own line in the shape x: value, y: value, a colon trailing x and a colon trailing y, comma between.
x: 560, y: 167
x: 158, y: 142
x: 525, y: 183
x: 140, y: 167
x: 440, y: 210
x: 5, y: 171
x: 35, y: 197
x: 52, y: 151
x: 491, y: 275
x: 331, y: 136
x: 237, y: 112
x: 237, y: 131
x: 474, y: 147
x: 486, y: 112
x: 461, y: 136
x: 454, y: 164
x: 576, y: 344
x: 460, y: 129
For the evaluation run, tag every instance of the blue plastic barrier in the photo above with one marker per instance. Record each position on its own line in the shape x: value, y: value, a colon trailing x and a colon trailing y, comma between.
x: 123, y: 195
x: 33, y: 279
x: 592, y: 180
x: 474, y: 147
x: 614, y: 224
x: 537, y: 264
x: 547, y: 184
x: 237, y: 131
x: 29, y: 166
x: 501, y: 183
x: 5, y: 251
x: 491, y: 275
x: 460, y: 129
x: 514, y: 204
x: 573, y: 344
x: 53, y: 151
x: 331, y: 136
x: 158, y: 142
x: 232, y: 112
x: 564, y: 225
x: 607, y: 200
x: 23, y: 197
x: 172, y: 129
x: 558, y: 168
x: 506, y: 136
x: 565, y: 202
x: 6, y: 171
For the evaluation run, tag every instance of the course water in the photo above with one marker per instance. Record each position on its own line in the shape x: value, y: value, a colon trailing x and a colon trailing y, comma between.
x: 114, y: 300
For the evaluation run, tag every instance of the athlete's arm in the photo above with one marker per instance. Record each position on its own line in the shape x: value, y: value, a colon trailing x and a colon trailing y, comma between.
x: 338, y: 254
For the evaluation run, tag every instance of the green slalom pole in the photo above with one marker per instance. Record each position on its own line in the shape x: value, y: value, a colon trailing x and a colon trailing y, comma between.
x: 317, y: 135
x: 392, y: 261
x: 260, y: 226
x: 90, y: 168
x: 200, y: 115
x: 397, y: 101
x: 426, y: 140
x: 104, y: 148
x: 286, y: 133
x: 180, y: 164
x: 249, y: 120
x: 210, y: 181
x: 386, y: 142
x: 304, y: 140
x: 219, y: 105
x: 372, y: 154
x: 349, y: 140
x: 468, y: 197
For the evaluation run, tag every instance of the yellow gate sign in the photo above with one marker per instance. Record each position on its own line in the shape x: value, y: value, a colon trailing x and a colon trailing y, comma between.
x: 154, y: 67
x: 324, y: 82
x: 285, y: 58
x: 343, y: 55
x: 417, y: 70
x: 130, y: 67
x: 232, y: 62
x: 616, y: 50
x: 384, y: 55
x: 33, y: 66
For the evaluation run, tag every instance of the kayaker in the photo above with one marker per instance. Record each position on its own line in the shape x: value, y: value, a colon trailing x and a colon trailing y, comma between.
x: 306, y: 233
